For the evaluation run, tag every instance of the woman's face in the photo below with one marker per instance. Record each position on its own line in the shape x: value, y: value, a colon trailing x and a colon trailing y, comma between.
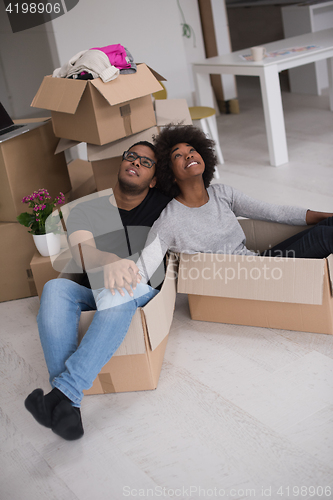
x: 186, y: 162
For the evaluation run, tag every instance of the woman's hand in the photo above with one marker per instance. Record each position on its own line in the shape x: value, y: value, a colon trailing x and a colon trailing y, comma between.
x: 315, y: 217
x: 121, y: 274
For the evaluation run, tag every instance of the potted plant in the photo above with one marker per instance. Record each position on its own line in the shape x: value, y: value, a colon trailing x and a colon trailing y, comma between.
x: 46, y: 235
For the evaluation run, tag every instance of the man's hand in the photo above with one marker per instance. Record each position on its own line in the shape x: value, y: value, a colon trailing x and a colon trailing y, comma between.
x: 121, y: 274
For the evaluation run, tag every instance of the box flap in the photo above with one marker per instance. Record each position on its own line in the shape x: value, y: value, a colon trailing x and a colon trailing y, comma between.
x: 158, y: 77
x: 260, y: 235
x: 127, y: 87
x: 117, y: 148
x: 330, y: 270
x: 59, y: 94
x: 159, y: 311
x: 172, y: 111
x: 65, y: 144
x: 250, y: 277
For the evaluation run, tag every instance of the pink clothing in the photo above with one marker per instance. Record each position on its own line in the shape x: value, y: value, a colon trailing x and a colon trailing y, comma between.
x: 116, y: 54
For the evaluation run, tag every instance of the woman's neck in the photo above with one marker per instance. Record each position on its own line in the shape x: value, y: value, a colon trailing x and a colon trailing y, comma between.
x: 193, y: 195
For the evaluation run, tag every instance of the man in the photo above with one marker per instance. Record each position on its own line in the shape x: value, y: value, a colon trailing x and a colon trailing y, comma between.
x: 103, y: 234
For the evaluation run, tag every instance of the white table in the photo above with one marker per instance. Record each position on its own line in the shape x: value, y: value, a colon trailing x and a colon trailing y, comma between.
x: 268, y: 72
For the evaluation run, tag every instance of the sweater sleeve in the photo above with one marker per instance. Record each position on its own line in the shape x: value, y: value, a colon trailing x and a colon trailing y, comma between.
x: 151, y: 256
x: 245, y: 206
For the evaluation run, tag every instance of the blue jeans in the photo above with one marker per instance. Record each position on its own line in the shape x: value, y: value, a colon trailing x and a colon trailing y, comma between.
x: 73, y: 368
x: 312, y: 243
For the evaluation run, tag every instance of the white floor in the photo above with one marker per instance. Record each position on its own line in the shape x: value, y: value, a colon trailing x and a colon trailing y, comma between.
x: 240, y: 412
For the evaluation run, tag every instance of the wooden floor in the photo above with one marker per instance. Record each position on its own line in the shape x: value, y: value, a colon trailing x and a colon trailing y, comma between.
x: 239, y: 412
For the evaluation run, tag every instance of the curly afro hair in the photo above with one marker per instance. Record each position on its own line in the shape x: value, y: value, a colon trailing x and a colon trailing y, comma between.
x: 176, y: 134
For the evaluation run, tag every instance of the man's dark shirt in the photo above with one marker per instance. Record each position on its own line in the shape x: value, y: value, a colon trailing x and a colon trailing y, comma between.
x: 118, y: 231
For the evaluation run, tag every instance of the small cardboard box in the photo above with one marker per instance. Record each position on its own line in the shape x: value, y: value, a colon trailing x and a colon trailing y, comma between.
x: 16, y: 248
x: 96, y: 112
x: 284, y: 293
x: 137, y: 364
x: 28, y: 163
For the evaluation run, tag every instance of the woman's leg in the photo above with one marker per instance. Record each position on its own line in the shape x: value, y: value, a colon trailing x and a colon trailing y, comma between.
x: 312, y: 243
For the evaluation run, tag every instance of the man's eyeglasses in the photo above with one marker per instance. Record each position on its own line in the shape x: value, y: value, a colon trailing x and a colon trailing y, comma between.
x: 144, y: 160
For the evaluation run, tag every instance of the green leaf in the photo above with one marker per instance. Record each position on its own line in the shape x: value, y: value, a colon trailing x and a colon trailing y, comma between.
x: 26, y: 219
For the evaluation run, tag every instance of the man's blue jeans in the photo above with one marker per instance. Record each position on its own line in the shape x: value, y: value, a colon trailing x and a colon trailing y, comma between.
x: 73, y: 368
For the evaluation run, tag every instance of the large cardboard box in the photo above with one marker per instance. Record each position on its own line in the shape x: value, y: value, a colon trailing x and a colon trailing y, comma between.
x: 137, y: 364
x: 285, y: 293
x: 96, y: 112
x: 42, y: 271
x: 27, y: 163
x: 16, y: 249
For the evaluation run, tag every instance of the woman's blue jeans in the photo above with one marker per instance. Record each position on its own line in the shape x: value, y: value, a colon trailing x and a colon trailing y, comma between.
x: 74, y: 367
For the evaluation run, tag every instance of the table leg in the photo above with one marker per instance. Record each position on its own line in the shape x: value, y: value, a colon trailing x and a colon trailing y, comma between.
x: 330, y: 80
x: 273, y: 112
x: 203, y: 89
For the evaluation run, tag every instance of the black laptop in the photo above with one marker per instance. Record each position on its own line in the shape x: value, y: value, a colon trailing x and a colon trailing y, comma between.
x: 8, y: 129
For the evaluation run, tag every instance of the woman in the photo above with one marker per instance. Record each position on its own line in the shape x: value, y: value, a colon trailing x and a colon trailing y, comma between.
x: 203, y: 217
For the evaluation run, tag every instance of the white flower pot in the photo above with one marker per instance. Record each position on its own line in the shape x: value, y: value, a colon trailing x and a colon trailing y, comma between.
x: 47, y: 244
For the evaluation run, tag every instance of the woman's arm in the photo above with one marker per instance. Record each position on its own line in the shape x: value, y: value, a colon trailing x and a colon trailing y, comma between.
x: 315, y: 217
x: 151, y: 256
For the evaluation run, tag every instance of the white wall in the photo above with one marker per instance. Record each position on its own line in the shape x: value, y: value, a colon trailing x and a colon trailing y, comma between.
x: 194, y: 45
x: 150, y: 29
x: 25, y: 58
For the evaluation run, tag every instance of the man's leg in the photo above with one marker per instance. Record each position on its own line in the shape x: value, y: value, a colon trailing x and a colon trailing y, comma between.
x: 105, y: 334
x: 58, y: 319
x: 61, y: 304
x: 312, y: 243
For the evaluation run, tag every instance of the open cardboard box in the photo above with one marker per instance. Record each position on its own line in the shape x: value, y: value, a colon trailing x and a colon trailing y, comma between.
x: 284, y: 293
x: 27, y: 163
x: 96, y: 112
x: 137, y: 363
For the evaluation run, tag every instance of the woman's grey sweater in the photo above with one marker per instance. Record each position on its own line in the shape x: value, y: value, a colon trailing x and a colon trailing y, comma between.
x: 211, y: 228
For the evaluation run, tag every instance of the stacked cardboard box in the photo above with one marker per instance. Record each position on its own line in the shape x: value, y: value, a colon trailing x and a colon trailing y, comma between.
x: 110, y: 117
x: 27, y: 163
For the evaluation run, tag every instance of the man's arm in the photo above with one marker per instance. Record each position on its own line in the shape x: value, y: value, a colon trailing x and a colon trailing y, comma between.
x: 118, y: 273
x: 315, y: 217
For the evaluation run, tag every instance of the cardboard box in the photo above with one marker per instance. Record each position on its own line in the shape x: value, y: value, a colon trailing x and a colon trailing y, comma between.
x: 82, y: 178
x: 42, y: 271
x: 16, y: 248
x: 285, y: 293
x: 27, y: 163
x: 137, y: 364
x: 96, y: 112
